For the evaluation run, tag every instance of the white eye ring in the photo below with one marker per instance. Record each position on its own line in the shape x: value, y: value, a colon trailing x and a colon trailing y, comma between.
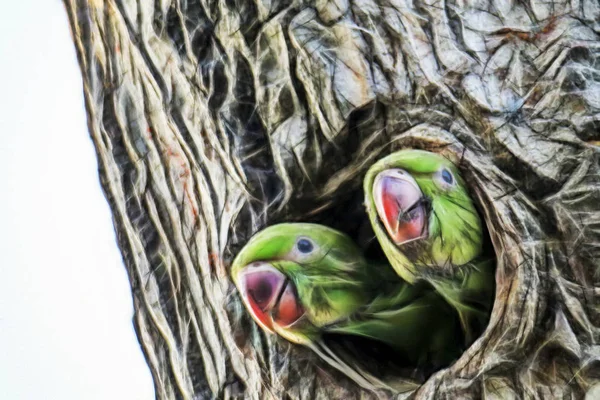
x: 444, y: 179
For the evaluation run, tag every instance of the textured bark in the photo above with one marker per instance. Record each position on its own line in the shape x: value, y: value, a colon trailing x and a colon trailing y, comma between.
x: 214, y: 118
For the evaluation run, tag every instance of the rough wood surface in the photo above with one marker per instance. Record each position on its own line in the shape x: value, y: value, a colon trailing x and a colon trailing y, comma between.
x: 214, y: 118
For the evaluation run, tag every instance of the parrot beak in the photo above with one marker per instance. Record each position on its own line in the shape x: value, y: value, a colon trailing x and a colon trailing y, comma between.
x: 400, y: 206
x: 269, y: 296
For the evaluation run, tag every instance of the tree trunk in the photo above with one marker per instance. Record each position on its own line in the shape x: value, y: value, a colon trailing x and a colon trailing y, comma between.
x: 215, y: 118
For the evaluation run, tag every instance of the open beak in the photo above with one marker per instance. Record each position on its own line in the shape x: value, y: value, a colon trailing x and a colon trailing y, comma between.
x: 400, y: 206
x: 269, y: 296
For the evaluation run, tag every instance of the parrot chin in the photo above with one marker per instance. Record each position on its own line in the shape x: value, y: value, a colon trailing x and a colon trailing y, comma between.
x: 398, y: 200
x: 269, y: 295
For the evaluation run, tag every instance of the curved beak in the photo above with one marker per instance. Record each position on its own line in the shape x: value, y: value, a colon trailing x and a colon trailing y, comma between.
x: 269, y: 295
x: 400, y: 205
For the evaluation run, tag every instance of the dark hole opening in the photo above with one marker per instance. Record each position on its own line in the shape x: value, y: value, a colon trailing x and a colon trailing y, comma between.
x: 346, y: 213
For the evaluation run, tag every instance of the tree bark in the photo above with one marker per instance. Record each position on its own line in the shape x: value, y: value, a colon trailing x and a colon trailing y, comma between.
x: 215, y: 118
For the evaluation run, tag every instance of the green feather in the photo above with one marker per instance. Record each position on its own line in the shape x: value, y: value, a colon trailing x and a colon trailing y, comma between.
x: 426, y: 305
x: 345, y: 295
x: 415, y: 321
x: 450, y: 257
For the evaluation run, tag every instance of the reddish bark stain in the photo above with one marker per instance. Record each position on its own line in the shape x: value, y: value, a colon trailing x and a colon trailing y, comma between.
x: 527, y: 36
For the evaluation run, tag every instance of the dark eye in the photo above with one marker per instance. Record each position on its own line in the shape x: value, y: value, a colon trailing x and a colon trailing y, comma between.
x: 447, y: 177
x: 304, y: 246
x: 444, y: 179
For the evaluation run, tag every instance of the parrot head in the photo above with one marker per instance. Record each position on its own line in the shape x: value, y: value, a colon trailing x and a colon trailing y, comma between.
x: 296, y: 278
x: 421, y: 213
x: 311, y: 285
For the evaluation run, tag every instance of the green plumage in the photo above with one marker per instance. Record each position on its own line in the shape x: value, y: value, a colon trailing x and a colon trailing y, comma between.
x: 345, y: 294
x: 450, y: 257
x: 310, y: 283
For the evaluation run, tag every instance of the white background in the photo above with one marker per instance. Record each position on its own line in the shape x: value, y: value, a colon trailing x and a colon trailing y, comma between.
x: 66, y: 327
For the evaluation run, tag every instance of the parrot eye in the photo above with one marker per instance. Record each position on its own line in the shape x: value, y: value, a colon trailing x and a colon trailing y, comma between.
x: 304, y: 246
x: 445, y: 179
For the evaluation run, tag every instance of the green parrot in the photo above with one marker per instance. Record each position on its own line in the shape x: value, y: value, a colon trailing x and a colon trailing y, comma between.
x: 430, y: 231
x: 311, y: 285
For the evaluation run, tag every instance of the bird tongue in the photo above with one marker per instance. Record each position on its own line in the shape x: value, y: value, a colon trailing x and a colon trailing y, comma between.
x: 399, y: 206
x: 270, y: 296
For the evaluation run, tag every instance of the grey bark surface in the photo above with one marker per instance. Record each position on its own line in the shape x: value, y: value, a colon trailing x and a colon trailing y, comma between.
x: 214, y: 118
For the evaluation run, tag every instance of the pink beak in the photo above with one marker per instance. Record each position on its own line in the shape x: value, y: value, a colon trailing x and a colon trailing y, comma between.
x: 399, y: 207
x: 269, y: 296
